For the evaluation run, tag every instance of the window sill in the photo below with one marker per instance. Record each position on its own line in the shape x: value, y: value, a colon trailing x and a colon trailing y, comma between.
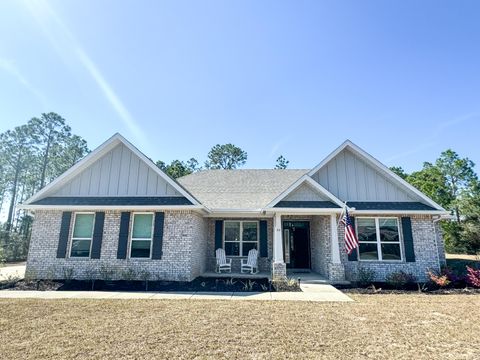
x: 382, y: 261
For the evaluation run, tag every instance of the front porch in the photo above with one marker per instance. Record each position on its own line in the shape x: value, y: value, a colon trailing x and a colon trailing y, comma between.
x: 295, y: 245
x: 311, y: 252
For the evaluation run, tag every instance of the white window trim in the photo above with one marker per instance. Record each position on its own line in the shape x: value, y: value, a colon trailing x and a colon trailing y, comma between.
x: 378, y: 241
x: 241, y: 236
x: 131, y: 239
x: 72, y: 238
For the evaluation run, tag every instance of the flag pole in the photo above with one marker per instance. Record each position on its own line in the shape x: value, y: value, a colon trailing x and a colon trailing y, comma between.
x: 341, y: 214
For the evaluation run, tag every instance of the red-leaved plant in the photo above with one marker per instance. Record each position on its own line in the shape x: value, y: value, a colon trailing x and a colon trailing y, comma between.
x: 439, y: 279
x: 473, y: 276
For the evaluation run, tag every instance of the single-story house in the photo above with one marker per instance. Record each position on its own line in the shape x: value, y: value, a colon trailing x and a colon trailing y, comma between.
x: 116, y: 212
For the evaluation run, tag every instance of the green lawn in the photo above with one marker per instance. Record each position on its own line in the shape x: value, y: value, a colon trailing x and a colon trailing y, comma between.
x: 374, y: 327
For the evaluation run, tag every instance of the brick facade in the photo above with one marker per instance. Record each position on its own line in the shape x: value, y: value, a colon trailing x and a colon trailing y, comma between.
x: 263, y: 262
x: 425, y: 247
x: 189, y: 250
x: 184, y: 247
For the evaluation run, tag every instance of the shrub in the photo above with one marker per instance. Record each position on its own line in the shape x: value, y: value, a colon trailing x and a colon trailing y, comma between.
x: 68, y: 273
x: 145, y: 275
x: 129, y: 274
x: 106, y: 272
x: 2, y: 257
x: 473, y: 276
x: 365, y: 276
x: 400, y: 279
x: 286, y: 285
x: 440, y: 279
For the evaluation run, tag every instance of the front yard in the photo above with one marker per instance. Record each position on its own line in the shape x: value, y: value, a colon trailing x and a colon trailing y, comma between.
x: 375, y: 326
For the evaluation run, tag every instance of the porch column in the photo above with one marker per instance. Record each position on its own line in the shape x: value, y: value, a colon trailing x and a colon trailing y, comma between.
x: 277, y: 239
x: 279, y: 268
x: 334, y: 239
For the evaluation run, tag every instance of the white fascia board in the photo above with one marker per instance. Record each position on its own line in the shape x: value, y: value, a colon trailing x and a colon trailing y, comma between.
x: 297, y: 184
x: 115, y: 207
x: 98, y: 153
x: 377, y: 164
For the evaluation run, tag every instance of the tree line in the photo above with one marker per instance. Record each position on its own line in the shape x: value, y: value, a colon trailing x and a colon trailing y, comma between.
x: 34, y: 154
x: 227, y: 157
x: 452, y: 182
x: 31, y: 155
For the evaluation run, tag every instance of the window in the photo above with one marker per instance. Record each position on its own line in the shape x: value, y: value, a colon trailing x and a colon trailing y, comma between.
x: 240, y: 237
x: 379, y: 239
x: 141, y: 238
x: 82, y: 235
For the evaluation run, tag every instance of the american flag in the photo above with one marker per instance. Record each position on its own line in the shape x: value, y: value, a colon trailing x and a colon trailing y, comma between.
x: 351, y: 241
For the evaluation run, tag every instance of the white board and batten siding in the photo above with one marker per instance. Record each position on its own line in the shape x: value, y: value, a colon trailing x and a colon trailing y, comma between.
x: 305, y: 192
x: 119, y: 172
x: 349, y: 177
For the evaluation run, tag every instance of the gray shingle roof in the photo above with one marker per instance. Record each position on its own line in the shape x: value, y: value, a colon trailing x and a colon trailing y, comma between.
x: 239, y: 189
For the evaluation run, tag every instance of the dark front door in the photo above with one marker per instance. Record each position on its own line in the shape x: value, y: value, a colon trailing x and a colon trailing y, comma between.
x: 296, y: 244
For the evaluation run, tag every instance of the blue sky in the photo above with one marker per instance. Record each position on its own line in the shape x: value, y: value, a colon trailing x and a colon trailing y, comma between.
x: 399, y: 78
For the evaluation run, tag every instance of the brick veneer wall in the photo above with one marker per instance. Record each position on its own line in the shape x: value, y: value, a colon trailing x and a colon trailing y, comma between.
x: 263, y: 262
x: 183, y: 257
x: 320, y: 244
x: 425, y: 247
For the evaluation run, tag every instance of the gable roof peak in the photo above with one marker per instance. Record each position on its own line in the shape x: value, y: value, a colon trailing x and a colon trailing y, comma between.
x: 99, y: 152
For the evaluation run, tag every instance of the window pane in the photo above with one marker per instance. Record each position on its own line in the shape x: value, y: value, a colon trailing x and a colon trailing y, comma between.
x: 246, y: 247
x: 368, y: 252
x: 83, y: 226
x: 232, y: 248
x: 80, y: 248
x: 140, y: 248
x: 388, y: 230
x: 391, y: 252
x: 232, y: 231
x: 249, y: 231
x: 366, y: 230
x: 142, y: 226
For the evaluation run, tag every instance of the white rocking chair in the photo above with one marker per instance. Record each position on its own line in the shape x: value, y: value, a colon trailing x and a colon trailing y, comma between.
x: 250, y: 264
x: 223, y: 264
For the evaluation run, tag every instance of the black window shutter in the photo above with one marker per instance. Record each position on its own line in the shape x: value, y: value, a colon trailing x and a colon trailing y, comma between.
x: 263, y: 239
x: 353, y: 255
x: 158, y: 235
x: 63, y: 237
x: 97, y: 235
x: 218, y: 234
x: 123, y: 235
x: 408, y: 239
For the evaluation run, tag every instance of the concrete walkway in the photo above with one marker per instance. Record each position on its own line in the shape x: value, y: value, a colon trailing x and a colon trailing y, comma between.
x: 316, y: 293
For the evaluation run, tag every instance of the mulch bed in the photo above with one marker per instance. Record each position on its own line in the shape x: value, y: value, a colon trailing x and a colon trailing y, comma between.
x: 199, y: 284
x: 384, y: 289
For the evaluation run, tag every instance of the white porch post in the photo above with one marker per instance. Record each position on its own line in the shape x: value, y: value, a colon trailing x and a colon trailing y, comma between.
x: 334, y: 239
x: 277, y: 239
x: 279, y: 268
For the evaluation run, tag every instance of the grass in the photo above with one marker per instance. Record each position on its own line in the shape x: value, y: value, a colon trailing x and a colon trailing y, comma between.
x: 374, y: 327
